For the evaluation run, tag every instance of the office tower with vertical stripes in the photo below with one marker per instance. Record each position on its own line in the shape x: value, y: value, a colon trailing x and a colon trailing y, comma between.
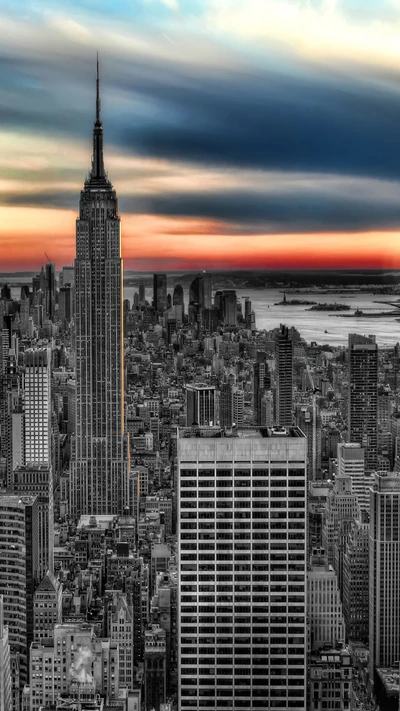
x: 99, y: 451
x: 363, y: 397
x: 242, y: 630
x: 284, y: 377
x: 384, y: 572
x: 37, y: 405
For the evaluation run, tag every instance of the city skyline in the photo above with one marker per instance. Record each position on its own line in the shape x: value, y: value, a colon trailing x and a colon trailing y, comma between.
x: 199, y: 467
x: 240, y: 134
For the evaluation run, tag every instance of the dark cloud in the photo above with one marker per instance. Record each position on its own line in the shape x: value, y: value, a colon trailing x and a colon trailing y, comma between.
x: 56, y: 199
x: 299, y: 119
x: 254, y: 212
x: 244, y: 212
x: 273, y: 121
x: 256, y: 118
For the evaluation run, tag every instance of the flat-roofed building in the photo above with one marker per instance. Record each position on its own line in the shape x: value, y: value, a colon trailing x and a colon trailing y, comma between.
x: 242, y: 568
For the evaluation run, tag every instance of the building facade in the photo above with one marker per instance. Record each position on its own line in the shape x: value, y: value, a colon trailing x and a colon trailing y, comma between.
x: 242, y: 569
x: 284, y: 377
x: 99, y: 452
x: 37, y: 405
x: 160, y: 292
x: 363, y: 397
x: 351, y: 462
x: 5, y: 667
x: 200, y: 405
x: 325, y: 612
x: 19, y: 555
x: 38, y: 480
x: 384, y: 572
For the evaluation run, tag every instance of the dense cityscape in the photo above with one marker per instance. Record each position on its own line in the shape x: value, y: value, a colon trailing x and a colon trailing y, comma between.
x: 194, y: 514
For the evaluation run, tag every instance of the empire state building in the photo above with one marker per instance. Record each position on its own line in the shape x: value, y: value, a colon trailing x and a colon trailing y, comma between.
x: 99, y: 448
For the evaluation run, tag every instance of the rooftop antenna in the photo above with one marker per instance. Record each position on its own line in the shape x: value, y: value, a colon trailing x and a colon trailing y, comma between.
x: 98, y: 104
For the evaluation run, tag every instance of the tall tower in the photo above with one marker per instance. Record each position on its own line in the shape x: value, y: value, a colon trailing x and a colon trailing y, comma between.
x: 363, y: 397
x: 37, y: 405
x: 284, y: 377
x: 384, y: 564
x: 351, y: 463
x: 160, y: 292
x: 261, y: 383
x: 50, y: 275
x: 98, y: 483
x: 5, y: 668
x: 242, y: 617
x: 19, y: 555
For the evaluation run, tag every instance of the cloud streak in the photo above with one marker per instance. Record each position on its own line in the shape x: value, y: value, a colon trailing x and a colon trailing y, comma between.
x: 213, y: 116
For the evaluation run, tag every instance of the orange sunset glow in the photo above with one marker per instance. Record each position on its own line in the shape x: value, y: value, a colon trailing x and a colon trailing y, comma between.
x: 188, y: 244
x: 238, y: 135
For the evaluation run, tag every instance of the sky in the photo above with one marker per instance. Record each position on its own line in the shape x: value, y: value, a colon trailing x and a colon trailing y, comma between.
x: 239, y: 134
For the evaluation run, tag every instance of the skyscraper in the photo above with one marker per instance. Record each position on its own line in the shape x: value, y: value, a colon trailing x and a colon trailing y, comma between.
x: 242, y: 569
x: 98, y: 482
x: 19, y: 555
x: 5, y: 668
x: 36, y: 479
x: 160, y: 292
x: 50, y: 275
x: 363, y: 397
x: 37, y: 405
x: 261, y: 383
x: 284, y: 377
x: 142, y: 292
x: 200, y: 405
x: 351, y: 463
x: 384, y: 567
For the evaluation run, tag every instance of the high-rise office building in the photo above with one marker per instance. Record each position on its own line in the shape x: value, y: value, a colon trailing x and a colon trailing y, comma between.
x: 351, y: 462
x: 47, y: 607
x: 261, y: 383
x: 142, y: 292
x: 37, y: 405
x: 19, y: 555
x: 160, y: 292
x: 340, y: 512
x: 242, y: 569
x: 384, y: 571
x: 67, y: 275
x: 99, y: 451
x: 363, y: 397
x: 313, y: 431
x: 284, y: 377
x: 226, y: 405
x: 50, y: 292
x: 65, y: 303
x: 238, y: 406
x: 37, y: 479
x: 5, y: 668
x: 356, y: 580
x: 200, y: 405
x: 206, y: 291
x: 229, y: 308
x: 155, y: 668
x: 325, y: 614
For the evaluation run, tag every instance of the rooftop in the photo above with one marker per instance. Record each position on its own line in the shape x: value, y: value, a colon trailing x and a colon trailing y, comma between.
x: 243, y: 432
x: 100, y: 521
x: 390, y: 679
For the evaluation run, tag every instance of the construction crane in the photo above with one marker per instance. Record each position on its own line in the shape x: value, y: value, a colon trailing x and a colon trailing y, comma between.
x: 314, y: 392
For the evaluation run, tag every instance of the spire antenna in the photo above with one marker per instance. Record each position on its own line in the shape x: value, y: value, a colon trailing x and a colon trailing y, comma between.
x: 98, y: 105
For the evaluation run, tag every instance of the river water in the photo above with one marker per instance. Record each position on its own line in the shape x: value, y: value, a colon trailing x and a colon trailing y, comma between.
x: 320, y: 326
x: 313, y: 324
